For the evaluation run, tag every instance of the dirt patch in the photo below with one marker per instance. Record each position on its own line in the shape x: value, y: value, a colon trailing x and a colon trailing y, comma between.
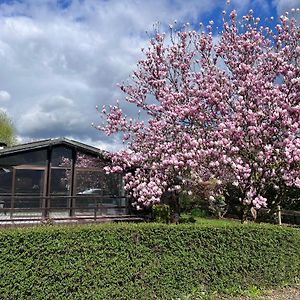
x: 278, y: 294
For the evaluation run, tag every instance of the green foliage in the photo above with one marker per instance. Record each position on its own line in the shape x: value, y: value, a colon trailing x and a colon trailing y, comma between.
x: 145, y: 261
x: 187, y: 219
x: 218, y: 206
x: 188, y: 202
x: 291, y: 200
x: 252, y: 292
x: 200, y: 213
x: 7, y: 131
x: 161, y: 213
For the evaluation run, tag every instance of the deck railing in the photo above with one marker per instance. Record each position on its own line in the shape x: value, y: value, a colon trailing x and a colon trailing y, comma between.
x: 60, y: 207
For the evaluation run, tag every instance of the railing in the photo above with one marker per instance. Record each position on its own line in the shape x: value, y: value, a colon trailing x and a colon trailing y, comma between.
x: 290, y: 216
x: 60, y: 207
x: 284, y: 215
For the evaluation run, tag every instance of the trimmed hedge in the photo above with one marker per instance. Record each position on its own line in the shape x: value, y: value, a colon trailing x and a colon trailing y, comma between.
x: 144, y: 261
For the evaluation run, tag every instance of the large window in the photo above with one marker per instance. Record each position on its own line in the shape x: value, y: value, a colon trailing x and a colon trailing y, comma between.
x: 22, y: 183
x: 60, y: 181
x: 96, y: 189
x: 29, y: 187
x: 61, y: 157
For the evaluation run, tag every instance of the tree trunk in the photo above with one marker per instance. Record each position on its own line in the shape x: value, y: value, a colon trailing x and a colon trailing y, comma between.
x: 174, y: 207
x: 244, y: 214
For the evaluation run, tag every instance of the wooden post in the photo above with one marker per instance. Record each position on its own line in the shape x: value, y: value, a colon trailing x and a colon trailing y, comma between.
x: 95, y: 213
x: 279, y: 214
x: 46, y: 203
x: 13, y: 191
x: 72, y: 201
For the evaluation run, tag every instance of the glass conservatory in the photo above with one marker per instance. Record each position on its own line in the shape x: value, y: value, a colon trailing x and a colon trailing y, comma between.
x: 58, y: 179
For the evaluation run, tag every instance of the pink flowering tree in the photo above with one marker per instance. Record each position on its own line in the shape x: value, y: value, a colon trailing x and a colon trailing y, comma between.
x: 223, y: 108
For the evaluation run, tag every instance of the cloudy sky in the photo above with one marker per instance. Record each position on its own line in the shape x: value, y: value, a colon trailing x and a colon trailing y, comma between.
x: 61, y: 58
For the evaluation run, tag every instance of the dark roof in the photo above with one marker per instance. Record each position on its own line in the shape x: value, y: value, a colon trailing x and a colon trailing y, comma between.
x: 49, y: 143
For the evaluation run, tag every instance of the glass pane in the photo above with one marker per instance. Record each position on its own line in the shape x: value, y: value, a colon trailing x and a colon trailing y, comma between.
x: 37, y: 158
x: 89, y: 182
x: 97, y: 190
x: 59, y: 202
x: 88, y: 162
x: 87, y: 202
x: 112, y: 185
x: 61, y: 157
x: 29, y: 188
x: 30, y: 181
x: 113, y: 206
x: 5, y: 189
x: 88, y: 190
x: 59, y: 189
x: 5, y: 201
x: 99, y: 183
x: 26, y: 201
x: 5, y: 180
x: 59, y: 212
x: 60, y: 181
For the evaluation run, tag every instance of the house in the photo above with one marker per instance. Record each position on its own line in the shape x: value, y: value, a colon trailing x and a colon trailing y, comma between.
x: 58, y: 179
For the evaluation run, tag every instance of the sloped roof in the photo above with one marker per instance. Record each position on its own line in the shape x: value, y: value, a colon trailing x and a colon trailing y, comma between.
x: 42, y: 144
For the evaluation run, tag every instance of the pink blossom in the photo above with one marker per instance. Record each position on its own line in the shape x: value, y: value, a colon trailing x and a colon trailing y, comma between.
x: 259, y: 202
x: 240, y: 125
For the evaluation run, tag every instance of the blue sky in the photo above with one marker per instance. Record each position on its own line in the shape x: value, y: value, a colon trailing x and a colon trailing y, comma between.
x: 59, y: 59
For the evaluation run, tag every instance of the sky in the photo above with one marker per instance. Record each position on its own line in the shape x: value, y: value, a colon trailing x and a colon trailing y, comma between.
x: 61, y: 58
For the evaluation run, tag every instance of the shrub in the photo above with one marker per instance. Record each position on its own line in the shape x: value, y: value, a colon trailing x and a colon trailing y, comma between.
x: 187, y: 219
x: 161, y: 213
x: 217, y: 206
x: 200, y: 213
x: 189, y: 202
x: 144, y: 261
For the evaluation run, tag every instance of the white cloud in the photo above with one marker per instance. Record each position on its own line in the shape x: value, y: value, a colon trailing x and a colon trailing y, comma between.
x: 286, y: 5
x: 4, y: 96
x: 59, y: 63
x: 52, y: 114
x: 110, y: 146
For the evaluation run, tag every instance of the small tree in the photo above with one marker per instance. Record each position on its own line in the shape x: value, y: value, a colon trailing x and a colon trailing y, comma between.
x: 7, y: 131
x: 225, y: 109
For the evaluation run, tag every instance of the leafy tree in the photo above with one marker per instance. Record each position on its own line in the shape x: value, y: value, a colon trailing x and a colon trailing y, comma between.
x: 7, y: 131
x: 223, y: 109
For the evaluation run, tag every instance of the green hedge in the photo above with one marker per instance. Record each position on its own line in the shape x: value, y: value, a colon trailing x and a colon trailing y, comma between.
x: 144, y: 261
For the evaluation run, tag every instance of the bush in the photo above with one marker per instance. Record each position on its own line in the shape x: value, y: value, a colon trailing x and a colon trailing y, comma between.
x: 188, y: 202
x: 161, y: 213
x: 187, y: 219
x: 217, y: 206
x: 144, y: 261
x: 200, y: 213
